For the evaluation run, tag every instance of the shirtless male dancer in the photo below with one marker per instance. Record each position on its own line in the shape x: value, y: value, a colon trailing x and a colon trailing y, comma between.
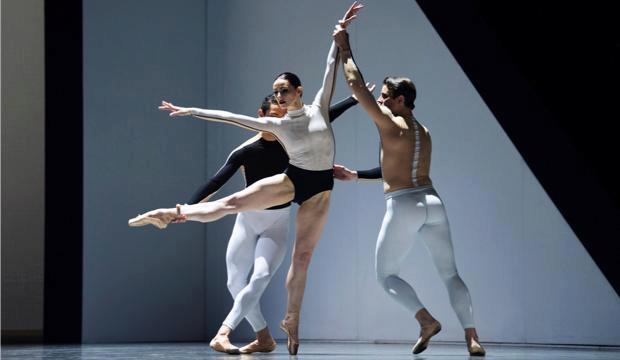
x: 259, y: 236
x: 413, y: 207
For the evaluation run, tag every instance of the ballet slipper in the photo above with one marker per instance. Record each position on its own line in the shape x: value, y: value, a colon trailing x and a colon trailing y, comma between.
x: 146, y: 219
x: 292, y: 343
x: 256, y: 346
x: 474, y: 347
x: 159, y: 218
x: 426, y: 333
x: 222, y: 344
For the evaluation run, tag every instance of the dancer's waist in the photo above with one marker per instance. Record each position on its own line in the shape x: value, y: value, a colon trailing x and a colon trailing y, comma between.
x: 400, y: 192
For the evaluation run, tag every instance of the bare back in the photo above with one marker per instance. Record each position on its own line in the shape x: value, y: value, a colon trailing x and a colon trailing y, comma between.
x: 405, y: 153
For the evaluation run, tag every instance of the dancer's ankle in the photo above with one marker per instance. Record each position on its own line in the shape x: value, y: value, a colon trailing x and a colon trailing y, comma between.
x: 291, y: 316
x: 224, y: 331
x: 264, y: 336
x: 471, y: 334
x: 425, y: 318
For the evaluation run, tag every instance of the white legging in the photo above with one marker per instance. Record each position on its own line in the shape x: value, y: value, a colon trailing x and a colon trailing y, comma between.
x: 258, y: 239
x: 419, y: 213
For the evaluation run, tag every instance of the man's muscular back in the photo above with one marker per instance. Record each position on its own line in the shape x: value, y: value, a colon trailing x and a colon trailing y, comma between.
x: 405, y: 153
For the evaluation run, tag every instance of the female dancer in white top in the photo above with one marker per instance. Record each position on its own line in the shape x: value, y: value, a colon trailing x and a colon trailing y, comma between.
x: 306, y: 134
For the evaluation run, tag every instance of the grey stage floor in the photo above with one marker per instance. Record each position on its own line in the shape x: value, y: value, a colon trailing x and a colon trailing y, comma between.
x: 309, y: 350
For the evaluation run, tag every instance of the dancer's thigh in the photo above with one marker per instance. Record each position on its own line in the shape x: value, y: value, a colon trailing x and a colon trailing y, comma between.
x: 265, y: 193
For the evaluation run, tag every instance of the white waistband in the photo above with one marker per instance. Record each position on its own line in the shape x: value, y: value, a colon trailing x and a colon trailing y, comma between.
x: 400, y: 192
x: 269, y: 211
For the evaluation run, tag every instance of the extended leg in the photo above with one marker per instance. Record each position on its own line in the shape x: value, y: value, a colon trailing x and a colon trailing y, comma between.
x: 265, y: 193
x: 436, y: 235
x: 311, y: 218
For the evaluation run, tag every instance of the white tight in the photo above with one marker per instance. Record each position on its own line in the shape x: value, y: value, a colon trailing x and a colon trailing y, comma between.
x: 258, y: 239
x: 419, y: 213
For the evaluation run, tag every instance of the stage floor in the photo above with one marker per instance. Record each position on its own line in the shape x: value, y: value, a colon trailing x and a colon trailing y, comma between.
x: 308, y: 350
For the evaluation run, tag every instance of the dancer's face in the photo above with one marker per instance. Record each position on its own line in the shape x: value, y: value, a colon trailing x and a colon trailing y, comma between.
x: 285, y: 93
x: 276, y: 111
x: 391, y: 103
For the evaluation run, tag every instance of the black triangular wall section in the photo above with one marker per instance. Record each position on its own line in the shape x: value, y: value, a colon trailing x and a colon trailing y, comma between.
x: 549, y: 72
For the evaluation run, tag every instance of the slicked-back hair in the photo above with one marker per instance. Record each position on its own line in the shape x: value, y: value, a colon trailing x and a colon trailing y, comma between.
x: 292, y: 79
x: 401, y: 86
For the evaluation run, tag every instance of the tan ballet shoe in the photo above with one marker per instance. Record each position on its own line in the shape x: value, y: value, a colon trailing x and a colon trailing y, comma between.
x: 145, y: 219
x: 426, y: 333
x: 475, y: 349
x: 292, y: 343
x: 255, y: 346
x: 157, y: 218
x: 224, y: 346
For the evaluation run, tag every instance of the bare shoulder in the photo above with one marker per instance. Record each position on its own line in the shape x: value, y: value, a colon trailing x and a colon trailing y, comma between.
x: 398, y: 121
x: 424, y: 128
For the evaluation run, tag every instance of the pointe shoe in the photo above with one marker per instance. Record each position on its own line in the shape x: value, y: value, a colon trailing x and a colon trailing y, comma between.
x: 145, y: 219
x: 224, y: 346
x: 157, y: 218
x: 426, y: 333
x: 292, y: 344
x: 475, y: 349
x: 255, y: 346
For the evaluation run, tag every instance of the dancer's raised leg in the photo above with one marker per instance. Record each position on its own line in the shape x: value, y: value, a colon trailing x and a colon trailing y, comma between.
x: 265, y: 193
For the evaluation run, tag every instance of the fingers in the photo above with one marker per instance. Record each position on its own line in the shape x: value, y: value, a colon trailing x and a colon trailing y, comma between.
x: 344, y: 23
x: 166, y: 106
x: 355, y: 7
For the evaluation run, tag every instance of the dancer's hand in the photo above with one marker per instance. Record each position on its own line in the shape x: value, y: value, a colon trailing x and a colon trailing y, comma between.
x: 350, y: 14
x: 369, y: 87
x: 340, y: 34
x: 341, y: 38
x: 174, y: 110
x: 344, y: 174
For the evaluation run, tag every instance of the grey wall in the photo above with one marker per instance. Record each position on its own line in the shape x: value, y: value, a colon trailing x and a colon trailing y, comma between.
x: 23, y: 136
x: 141, y: 284
x: 530, y: 278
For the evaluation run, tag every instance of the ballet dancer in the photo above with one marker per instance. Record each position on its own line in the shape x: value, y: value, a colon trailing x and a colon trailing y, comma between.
x: 414, y: 209
x: 259, y: 237
x: 306, y: 134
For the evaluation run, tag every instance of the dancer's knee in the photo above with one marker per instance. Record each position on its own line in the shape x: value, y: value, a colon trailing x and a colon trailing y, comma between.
x: 384, y: 279
x: 448, y: 275
x: 301, y: 259
x: 261, y: 278
x: 235, y: 283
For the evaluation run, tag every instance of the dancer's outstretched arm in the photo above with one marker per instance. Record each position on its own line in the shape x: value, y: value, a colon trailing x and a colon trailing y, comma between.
x: 324, y: 95
x: 265, y: 123
x: 344, y: 174
x: 230, y: 167
x: 345, y: 104
x: 340, y: 107
x: 381, y: 115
